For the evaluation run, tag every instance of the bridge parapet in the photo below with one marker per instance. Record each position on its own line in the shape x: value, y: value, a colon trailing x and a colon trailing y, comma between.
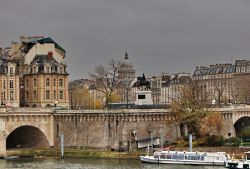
x: 120, y: 115
x: 115, y: 111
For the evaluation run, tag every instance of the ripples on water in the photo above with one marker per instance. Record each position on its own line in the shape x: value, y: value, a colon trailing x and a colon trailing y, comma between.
x: 77, y: 163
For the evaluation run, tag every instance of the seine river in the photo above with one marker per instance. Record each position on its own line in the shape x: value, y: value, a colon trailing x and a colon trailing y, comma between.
x: 77, y: 163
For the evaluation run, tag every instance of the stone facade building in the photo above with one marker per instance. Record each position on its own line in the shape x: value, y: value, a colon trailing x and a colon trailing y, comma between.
x: 172, y: 85
x: 45, y: 82
x: 217, y: 81
x: 241, y: 82
x: 156, y: 85
x: 40, y: 64
x: 9, y: 83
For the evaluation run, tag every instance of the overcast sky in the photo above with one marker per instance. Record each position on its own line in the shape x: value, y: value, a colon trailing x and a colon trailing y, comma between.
x: 160, y: 35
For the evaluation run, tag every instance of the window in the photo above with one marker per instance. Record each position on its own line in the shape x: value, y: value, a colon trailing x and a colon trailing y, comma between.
x: 27, y: 82
x: 34, y: 69
x: 47, y: 94
x: 54, y: 82
x: 4, y: 95
x: 34, y: 94
x: 60, y: 82
x: 47, y: 69
x: 27, y: 95
x: 34, y: 82
x: 54, y: 94
x: 11, y: 84
x: 11, y: 71
x: 47, y: 82
x: 61, y: 95
x: 242, y: 69
x: 57, y: 130
x: 60, y: 70
x: 4, y: 85
x: 11, y: 95
x: 141, y: 96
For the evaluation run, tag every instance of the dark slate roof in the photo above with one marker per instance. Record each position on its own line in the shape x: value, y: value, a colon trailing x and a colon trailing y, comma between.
x: 214, y: 69
x: 242, y: 63
x: 2, y: 65
x: 42, y: 59
x: 47, y: 40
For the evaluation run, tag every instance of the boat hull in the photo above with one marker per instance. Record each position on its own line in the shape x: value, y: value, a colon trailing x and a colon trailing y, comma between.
x: 150, y: 159
x: 238, y: 165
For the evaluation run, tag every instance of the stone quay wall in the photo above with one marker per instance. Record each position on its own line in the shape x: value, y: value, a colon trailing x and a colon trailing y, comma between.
x: 114, y: 129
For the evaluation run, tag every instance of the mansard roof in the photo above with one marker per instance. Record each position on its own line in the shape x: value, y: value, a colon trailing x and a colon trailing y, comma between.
x: 214, y: 69
x: 242, y: 63
x: 42, y: 59
x: 46, y: 40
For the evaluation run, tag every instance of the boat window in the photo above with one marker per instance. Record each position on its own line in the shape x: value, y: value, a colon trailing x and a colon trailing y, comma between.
x: 175, y: 156
x: 202, y: 157
x: 197, y: 157
x: 190, y: 157
x: 181, y: 157
x: 168, y: 156
x: 156, y: 156
x: 163, y: 156
x: 194, y: 157
x: 186, y: 156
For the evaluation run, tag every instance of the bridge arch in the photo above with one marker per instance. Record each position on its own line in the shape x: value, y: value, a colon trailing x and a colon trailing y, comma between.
x: 26, y: 136
x: 241, y: 124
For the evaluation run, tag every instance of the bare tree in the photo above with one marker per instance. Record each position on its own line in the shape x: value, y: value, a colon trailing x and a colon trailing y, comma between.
x: 241, y: 87
x: 212, y: 124
x: 106, y: 78
x: 219, y: 89
x: 190, y: 107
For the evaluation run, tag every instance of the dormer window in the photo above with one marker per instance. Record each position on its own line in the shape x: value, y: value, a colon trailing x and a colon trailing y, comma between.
x: 60, y: 70
x: 11, y: 71
x: 47, y: 69
x: 34, y: 69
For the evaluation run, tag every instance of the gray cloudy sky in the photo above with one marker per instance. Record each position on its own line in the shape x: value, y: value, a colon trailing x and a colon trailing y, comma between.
x: 160, y: 35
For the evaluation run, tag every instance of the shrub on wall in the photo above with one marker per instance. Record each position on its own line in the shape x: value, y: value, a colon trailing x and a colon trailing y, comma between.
x: 233, y: 141
x: 214, y: 140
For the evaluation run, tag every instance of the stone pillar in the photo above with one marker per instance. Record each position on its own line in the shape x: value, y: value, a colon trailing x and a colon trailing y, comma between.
x: 51, y: 131
x: 2, y: 144
x: 2, y: 138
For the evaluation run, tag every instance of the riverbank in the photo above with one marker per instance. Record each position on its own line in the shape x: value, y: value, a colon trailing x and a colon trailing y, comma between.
x: 92, y: 153
x: 71, y: 153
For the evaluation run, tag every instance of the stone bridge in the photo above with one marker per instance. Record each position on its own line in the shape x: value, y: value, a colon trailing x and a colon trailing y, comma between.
x: 113, y: 129
x: 25, y: 128
x: 235, y: 119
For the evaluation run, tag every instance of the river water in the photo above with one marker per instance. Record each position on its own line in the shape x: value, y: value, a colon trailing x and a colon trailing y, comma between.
x: 78, y: 163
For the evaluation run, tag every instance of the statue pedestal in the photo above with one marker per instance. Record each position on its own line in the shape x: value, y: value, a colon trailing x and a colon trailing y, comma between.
x: 143, y: 97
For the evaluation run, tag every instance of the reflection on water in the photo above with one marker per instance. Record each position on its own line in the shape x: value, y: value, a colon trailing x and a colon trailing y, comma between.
x: 77, y: 163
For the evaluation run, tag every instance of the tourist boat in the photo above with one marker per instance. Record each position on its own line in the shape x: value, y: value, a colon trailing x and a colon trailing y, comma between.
x: 11, y: 157
x: 239, y: 164
x: 191, y: 158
